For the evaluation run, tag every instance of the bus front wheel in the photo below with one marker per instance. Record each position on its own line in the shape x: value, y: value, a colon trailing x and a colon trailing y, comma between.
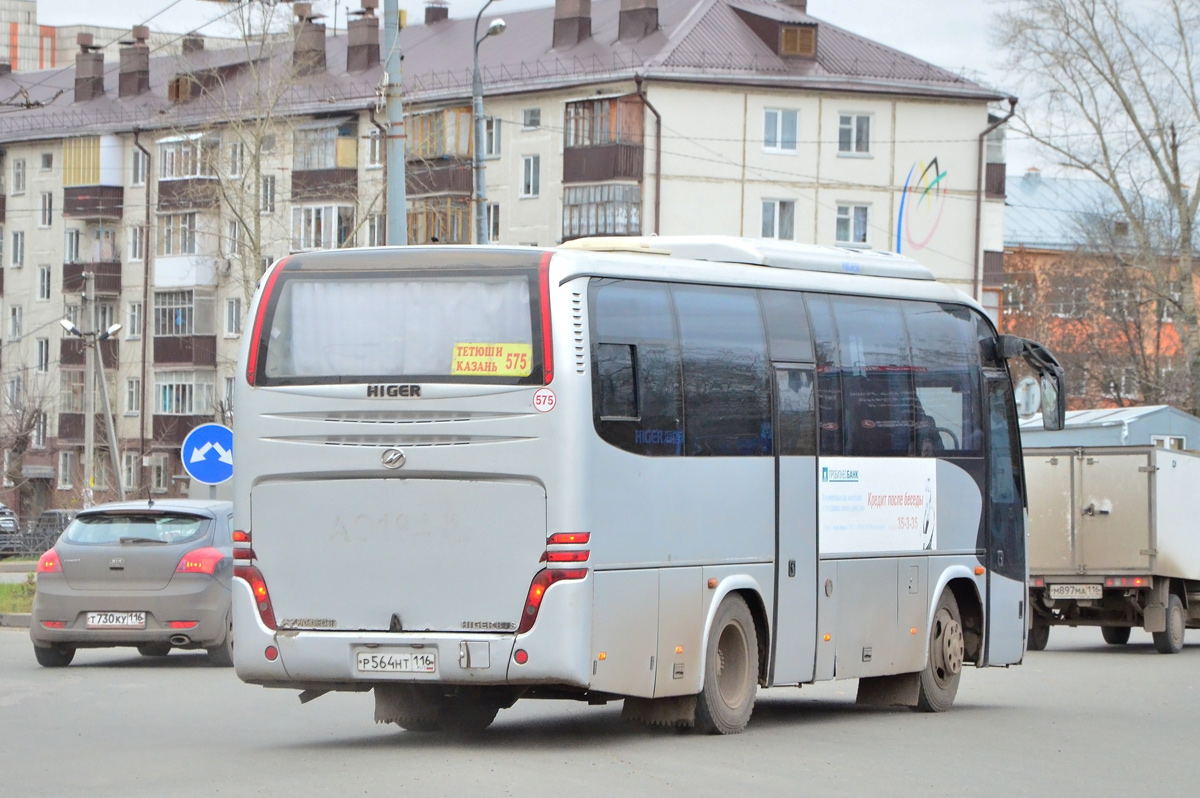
x: 730, y: 671
x: 939, y: 680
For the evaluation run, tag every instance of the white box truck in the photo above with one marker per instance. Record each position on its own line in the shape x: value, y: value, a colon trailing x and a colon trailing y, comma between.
x: 1114, y: 542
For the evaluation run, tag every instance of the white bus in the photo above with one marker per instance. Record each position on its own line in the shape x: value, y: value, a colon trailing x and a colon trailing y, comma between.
x: 663, y: 470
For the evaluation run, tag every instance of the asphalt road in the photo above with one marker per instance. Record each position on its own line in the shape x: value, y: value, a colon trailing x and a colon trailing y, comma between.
x: 1080, y: 719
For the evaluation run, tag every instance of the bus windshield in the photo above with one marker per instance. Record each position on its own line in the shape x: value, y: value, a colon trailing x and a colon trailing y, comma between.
x: 473, y: 326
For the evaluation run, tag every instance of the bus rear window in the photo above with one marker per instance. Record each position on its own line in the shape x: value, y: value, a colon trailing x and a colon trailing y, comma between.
x: 460, y: 327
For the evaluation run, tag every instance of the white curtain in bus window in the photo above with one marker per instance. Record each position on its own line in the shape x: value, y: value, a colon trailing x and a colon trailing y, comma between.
x: 877, y: 391
x: 392, y: 328
x: 946, y: 377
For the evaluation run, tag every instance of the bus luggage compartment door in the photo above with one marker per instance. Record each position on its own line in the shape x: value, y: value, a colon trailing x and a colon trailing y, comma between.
x: 399, y: 554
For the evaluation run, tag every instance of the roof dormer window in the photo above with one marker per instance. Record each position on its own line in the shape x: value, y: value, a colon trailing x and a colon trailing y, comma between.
x: 798, y: 40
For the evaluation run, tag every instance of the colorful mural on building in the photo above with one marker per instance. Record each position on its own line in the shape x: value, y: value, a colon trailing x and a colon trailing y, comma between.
x: 921, y: 205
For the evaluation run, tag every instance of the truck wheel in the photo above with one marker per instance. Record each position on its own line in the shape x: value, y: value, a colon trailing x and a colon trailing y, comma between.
x: 1170, y: 641
x: 730, y: 670
x: 1039, y: 636
x: 939, y: 680
x: 1115, y: 635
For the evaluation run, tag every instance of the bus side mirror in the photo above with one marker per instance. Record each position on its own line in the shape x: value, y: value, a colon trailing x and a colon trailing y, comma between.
x: 1054, y: 401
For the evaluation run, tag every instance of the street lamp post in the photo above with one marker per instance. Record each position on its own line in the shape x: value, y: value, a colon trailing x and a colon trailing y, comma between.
x: 479, y: 200
x: 92, y: 340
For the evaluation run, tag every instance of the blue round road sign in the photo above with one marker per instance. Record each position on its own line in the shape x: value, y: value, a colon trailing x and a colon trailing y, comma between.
x: 208, y: 454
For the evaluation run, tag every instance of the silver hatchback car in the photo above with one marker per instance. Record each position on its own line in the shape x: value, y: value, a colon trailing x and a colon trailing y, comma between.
x: 151, y: 575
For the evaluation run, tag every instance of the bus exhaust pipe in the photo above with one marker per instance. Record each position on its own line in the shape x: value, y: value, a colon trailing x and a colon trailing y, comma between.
x: 180, y: 640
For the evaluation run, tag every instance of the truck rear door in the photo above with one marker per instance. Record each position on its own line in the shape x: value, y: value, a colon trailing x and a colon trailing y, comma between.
x: 1113, y: 513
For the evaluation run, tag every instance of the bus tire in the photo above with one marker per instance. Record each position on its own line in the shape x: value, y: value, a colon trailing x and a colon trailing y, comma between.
x: 939, y: 680
x: 1039, y: 636
x: 730, y: 671
x: 1170, y: 640
x: 1115, y: 635
x: 467, y: 716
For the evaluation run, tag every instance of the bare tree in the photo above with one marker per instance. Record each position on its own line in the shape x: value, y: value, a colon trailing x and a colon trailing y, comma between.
x: 28, y: 401
x: 1110, y: 90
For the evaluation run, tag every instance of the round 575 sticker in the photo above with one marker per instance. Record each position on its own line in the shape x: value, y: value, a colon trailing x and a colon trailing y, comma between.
x: 544, y: 400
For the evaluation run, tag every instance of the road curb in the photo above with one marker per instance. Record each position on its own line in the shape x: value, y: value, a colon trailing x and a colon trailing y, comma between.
x: 17, y: 619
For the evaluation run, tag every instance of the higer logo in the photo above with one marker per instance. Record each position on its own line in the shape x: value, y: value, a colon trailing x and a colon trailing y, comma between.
x: 392, y: 391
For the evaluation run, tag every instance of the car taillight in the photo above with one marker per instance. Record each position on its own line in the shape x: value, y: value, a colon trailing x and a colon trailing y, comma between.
x: 258, y: 586
x: 259, y: 316
x: 537, y: 591
x: 183, y: 624
x: 49, y: 563
x: 547, y: 348
x: 200, y: 561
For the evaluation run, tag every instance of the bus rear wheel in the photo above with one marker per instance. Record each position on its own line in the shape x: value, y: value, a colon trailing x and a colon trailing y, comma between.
x: 730, y: 671
x: 939, y: 680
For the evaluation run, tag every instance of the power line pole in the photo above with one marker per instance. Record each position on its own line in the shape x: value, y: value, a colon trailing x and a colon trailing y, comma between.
x: 397, y: 198
x: 89, y: 387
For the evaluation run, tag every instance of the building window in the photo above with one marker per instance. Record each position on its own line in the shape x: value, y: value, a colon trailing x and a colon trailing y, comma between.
x: 233, y: 238
x: 14, y: 394
x: 1069, y: 297
x: 531, y: 175
x: 322, y: 227
x: 133, y: 320
x: 493, y: 221
x: 47, y: 161
x: 376, y: 230
x: 137, y: 243
x: 330, y: 146
x: 184, y: 393
x: 611, y: 209
x: 18, y: 249
x: 43, y: 292
x: 71, y: 247
x: 47, y: 210
x: 229, y: 386
x: 177, y: 234
x: 780, y: 126
x: 531, y: 118
x: 779, y: 219
x: 133, y: 396
x: 852, y: 224
x: 70, y: 391
x: 1176, y: 442
x: 1020, y: 292
x: 491, y: 137
x: 38, y: 431
x: 854, y: 134
x: 131, y: 466
x: 438, y: 134
x: 376, y: 149
x: 66, y: 469
x: 233, y: 317
x: 43, y: 355
x: 182, y: 157
x: 18, y: 176
x: 71, y: 313
x: 138, y: 169
x: 174, y: 313
x: 106, y: 315
x: 14, y: 322
x: 266, y: 199
x: 159, y: 476
x: 439, y: 220
x: 616, y: 120
x: 237, y: 158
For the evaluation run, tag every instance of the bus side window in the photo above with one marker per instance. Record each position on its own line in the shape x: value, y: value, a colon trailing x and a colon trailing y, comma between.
x: 787, y: 326
x: 946, y: 374
x: 616, y: 370
x: 829, y: 378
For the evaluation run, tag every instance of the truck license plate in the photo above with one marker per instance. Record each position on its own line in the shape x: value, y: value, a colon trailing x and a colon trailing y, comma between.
x: 397, y: 660
x: 1076, y: 591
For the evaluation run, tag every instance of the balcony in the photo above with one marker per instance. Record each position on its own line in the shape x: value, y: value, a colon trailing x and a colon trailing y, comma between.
x: 3, y: 207
x: 185, y: 350
x: 171, y: 430
x: 70, y: 427
x: 186, y: 271
x: 71, y: 352
x: 108, y: 276
x: 994, y: 180
x: 324, y: 184
x: 192, y: 193
x: 446, y: 177
x: 603, y: 162
x: 93, y: 202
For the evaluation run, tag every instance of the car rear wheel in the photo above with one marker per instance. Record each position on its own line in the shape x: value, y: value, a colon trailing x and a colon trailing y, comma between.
x: 222, y: 656
x: 154, y: 649
x: 54, y: 656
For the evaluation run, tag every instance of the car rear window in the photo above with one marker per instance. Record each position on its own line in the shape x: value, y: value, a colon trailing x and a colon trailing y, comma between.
x: 448, y: 326
x: 108, y: 528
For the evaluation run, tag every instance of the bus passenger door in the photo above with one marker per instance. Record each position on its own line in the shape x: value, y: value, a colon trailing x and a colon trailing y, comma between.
x: 793, y: 654
x: 1005, y: 512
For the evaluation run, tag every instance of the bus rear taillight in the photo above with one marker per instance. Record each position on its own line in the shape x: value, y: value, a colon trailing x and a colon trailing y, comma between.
x: 258, y: 586
x: 547, y: 348
x: 257, y: 332
x: 537, y: 591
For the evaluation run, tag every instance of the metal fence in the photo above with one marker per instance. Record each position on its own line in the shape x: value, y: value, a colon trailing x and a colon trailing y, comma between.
x: 34, y: 539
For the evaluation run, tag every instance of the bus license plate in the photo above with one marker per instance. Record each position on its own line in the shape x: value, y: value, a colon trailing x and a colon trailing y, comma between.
x: 397, y: 660
x: 1076, y: 591
x: 116, y: 620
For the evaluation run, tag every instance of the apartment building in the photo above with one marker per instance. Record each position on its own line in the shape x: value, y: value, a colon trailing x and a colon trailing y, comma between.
x: 175, y: 180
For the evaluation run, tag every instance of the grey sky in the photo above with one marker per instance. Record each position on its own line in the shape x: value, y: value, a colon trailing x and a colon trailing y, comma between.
x: 950, y: 33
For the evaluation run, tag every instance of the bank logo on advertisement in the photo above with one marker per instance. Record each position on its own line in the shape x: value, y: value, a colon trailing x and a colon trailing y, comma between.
x: 839, y: 474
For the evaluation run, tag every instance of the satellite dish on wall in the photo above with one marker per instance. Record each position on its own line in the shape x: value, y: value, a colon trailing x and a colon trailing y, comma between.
x: 1029, y: 397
